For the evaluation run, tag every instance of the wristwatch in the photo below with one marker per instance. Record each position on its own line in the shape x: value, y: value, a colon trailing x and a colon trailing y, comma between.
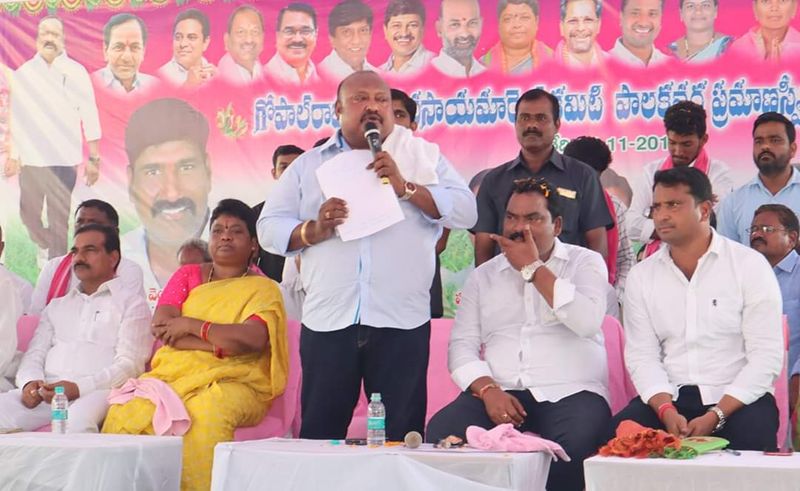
x: 722, y: 419
x: 95, y: 161
x: 411, y: 188
x: 529, y: 270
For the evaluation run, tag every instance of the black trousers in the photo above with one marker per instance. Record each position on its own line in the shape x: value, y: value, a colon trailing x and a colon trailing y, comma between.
x: 51, y: 185
x: 391, y: 361
x: 577, y: 423
x: 753, y: 427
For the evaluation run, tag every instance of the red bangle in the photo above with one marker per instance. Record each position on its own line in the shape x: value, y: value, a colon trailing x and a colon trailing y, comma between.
x: 204, y: 330
x: 482, y: 391
x: 663, y: 409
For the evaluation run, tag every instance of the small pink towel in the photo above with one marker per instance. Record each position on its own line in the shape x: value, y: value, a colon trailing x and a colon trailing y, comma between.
x: 170, y: 417
x: 505, y: 438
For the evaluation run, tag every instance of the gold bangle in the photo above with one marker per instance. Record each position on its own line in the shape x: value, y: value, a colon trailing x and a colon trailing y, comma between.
x: 303, y: 237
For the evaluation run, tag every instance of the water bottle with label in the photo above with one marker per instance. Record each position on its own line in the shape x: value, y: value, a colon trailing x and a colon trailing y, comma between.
x: 376, y: 421
x: 59, y: 411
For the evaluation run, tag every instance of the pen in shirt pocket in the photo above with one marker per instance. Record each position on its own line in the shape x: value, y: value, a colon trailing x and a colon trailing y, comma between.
x: 713, y: 302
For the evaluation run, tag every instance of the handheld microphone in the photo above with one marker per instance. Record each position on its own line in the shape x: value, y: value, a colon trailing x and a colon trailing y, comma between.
x: 373, y: 136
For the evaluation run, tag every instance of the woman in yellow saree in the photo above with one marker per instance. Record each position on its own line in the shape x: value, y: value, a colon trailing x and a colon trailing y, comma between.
x: 225, y: 352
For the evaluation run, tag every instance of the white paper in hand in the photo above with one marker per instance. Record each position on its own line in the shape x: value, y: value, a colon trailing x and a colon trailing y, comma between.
x: 372, y: 206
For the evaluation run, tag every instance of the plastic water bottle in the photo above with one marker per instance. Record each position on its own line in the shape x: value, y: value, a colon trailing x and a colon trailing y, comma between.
x: 376, y: 421
x: 59, y: 411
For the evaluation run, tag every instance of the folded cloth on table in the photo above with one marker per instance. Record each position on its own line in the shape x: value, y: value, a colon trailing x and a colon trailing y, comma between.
x: 635, y: 440
x: 505, y: 438
x: 170, y: 417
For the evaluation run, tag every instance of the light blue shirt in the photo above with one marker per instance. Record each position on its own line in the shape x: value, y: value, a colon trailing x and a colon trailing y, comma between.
x: 382, y: 280
x: 788, y: 273
x: 735, y: 214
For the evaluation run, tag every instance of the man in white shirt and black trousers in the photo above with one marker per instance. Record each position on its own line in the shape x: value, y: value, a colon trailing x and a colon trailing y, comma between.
x: 537, y: 311
x: 89, y: 341
x: 703, y: 325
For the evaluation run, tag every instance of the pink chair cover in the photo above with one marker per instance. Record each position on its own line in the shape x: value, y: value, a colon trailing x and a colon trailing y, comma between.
x: 26, y: 326
x: 620, y: 387
x: 283, y: 418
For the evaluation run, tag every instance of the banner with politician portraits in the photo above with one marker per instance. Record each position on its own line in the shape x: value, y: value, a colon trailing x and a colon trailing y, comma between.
x: 163, y: 107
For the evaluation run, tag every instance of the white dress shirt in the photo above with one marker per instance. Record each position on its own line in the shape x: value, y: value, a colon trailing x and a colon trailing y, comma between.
x: 128, y: 271
x: 142, y: 83
x: 382, y: 280
x: 49, y: 106
x: 720, y: 331
x: 174, y: 73
x: 24, y: 289
x: 418, y: 61
x: 281, y: 71
x: 452, y: 68
x: 9, y: 314
x: 236, y: 74
x: 553, y: 352
x: 640, y: 227
x: 623, y: 54
x: 97, y: 341
x: 333, y: 66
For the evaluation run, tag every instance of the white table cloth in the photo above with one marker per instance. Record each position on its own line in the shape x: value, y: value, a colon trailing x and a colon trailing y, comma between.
x: 320, y: 465
x: 47, y: 461
x: 718, y: 471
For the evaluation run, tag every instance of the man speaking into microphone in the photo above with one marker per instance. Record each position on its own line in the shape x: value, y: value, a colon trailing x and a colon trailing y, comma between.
x: 366, y: 314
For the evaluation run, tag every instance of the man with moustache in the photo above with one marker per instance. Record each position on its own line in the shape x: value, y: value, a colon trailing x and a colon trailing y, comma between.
x: 52, y: 103
x: 191, y: 35
x: 685, y: 124
x: 295, y: 41
x: 527, y: 345
x: 774, y: 234
x: 777, y: 182
x: 56, y: 277
x: 404, y: 28
x: 350, y: 33
x: 89, y: 341
x: 169, y: 178
x: 773, y: 39
x: 584, y: 213
x: 701, y: 43
x: 366, y: 313
x: 244, y: 42
x: 703, y: 341
x: 641, y: 24
x: 124, y: 42
x: 459, y: 27
x: 518, y: 50
x: 580, y: 26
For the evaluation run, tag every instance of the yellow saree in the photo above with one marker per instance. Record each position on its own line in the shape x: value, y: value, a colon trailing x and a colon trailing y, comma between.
x: 220, y: 394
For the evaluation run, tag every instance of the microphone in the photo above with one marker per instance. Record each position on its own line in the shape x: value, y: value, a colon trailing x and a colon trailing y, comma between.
x: 373, y: 136
x: 413, y: 439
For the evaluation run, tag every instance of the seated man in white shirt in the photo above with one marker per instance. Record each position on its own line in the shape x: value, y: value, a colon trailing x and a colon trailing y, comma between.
x: 89, y: 211
x: 9, y: 314
x: 89, y: 341
x: 537, y: 310
x: 703, y: 325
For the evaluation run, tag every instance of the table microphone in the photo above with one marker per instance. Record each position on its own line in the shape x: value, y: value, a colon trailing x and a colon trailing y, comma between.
x: 413, y: 439
x: 373, y: 136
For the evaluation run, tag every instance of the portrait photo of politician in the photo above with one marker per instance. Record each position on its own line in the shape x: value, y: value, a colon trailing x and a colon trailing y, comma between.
x: 295, y: 41
x: 459, y: 27
x: 244, y: 42
x: 641, y: 22
x: 701, y: 43
x: 580, y: 25
x: 124, y: 43
x: 169, y: 179
x: 404, y: 28
x: 350, y: 34
x: 518, y: 50
x: 772, y: 38
x: 191, y: 36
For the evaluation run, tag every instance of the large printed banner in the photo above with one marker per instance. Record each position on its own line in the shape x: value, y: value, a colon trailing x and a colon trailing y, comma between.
x: 79, y: 80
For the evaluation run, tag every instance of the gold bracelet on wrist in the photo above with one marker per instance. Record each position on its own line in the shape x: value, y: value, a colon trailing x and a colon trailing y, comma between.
x: 303, y: 237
